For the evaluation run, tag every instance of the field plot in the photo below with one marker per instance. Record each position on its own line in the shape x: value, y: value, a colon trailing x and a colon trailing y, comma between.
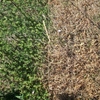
x: 72, y: 71
x: 22, y: 38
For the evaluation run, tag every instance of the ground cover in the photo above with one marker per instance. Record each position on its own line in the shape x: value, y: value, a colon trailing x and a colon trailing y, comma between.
x: 22, y: 38
x: 72, y: 71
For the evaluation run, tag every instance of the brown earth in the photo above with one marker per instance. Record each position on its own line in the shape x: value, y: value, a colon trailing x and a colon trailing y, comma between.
x: 72, y: 69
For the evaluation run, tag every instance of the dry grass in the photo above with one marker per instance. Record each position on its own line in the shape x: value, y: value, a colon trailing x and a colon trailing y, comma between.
x: 73, y: 52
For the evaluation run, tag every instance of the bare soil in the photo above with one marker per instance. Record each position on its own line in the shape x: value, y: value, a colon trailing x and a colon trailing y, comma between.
x: 72, y: 69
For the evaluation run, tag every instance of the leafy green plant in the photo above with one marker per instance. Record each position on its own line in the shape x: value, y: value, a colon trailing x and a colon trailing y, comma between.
x: 22, y: 38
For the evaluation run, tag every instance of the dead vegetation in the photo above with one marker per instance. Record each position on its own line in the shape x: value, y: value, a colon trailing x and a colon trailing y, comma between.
x: 72, y: 70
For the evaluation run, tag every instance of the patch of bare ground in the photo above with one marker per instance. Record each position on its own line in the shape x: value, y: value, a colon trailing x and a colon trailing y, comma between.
x: 72, y: 69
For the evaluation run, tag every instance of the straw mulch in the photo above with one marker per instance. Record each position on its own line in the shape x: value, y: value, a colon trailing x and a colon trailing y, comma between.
x: 72, y: 69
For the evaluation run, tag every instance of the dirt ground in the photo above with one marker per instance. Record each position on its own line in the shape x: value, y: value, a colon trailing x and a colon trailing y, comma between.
x: 72, y: 69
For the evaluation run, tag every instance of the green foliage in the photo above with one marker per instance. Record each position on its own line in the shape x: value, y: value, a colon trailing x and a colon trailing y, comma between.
x: 22, y: 38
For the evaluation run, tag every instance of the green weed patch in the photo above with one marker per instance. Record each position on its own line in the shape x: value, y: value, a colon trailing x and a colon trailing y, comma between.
x: 22, y: 38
